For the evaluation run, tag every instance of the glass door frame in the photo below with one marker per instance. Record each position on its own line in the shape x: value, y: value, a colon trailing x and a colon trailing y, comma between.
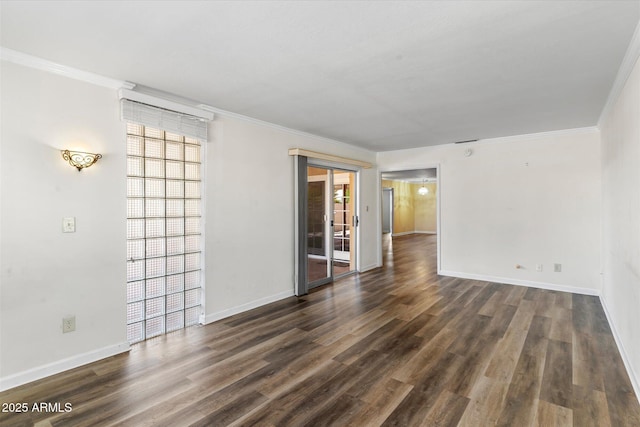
x: 327, y: 232
x: 301, y: 164
x: 350, y: 222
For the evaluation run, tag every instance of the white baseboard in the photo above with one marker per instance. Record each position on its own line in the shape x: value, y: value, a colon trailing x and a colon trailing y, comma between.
x: 369, y: 267
x: 405, y: 233
x: 223, y: 314
x: 43, y: 371
x: 518, y: 282
x: 621, y: 349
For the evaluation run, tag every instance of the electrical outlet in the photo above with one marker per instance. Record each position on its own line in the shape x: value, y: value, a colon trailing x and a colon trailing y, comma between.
x: 538, y: 267
x: 69, y: 225
x: 557, y: 268
x: 68, y: 324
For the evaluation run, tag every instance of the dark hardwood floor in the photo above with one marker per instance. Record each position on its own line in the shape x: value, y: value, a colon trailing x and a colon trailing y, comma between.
x: 398, y: 346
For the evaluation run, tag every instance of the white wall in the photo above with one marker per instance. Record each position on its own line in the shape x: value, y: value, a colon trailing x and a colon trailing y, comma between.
x: 249, y: 212
x: 524, y: 200
x: 45, y: 274
x: 621, y: 218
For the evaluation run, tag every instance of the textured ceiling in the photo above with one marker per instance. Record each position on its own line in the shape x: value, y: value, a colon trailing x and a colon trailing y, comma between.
x: 380, y: 75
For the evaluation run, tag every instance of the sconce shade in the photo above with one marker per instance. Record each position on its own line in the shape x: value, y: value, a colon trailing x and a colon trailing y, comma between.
x: 80, y: 160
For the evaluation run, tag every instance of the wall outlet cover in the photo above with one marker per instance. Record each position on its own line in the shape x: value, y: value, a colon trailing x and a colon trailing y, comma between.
x: 69, y: 225
x: 68, y: 324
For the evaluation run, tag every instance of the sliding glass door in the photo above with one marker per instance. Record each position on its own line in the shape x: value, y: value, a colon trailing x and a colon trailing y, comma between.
x: 329, y: 224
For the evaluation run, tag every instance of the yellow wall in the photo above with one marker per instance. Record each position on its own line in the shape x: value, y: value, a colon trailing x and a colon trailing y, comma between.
x: 425, y: 208
x: 403, y: 216
x: 411, y: 211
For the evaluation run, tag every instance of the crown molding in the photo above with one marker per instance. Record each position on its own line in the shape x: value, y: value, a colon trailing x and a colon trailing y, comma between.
x: 225, y: 113
x: 538, y: 135
x: 629, y: 61
x: 30, y: 61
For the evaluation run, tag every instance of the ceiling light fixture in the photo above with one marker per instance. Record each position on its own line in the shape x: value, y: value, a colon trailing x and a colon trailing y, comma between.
x: 80, y: 160
x: 423, y: 191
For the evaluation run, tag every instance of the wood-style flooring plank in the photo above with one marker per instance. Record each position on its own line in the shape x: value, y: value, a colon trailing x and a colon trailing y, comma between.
x: 557, y: 387
x: 486, y: 401
x: 447, y: 410
x: 395, y: 346
x: 381, y: 400
x: 550, y: 415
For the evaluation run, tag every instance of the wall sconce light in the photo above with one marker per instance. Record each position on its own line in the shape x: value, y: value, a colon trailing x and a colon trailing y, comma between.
x: 80, y: 160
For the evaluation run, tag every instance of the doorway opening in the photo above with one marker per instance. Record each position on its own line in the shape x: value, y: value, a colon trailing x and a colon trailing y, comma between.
x: 410, y: 204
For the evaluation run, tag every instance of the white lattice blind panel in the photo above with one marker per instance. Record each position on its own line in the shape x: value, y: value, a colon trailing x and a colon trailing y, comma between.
x: 163, y: 232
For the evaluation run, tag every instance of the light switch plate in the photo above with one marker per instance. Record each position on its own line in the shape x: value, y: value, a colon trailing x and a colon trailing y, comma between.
x: 69, y: 225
